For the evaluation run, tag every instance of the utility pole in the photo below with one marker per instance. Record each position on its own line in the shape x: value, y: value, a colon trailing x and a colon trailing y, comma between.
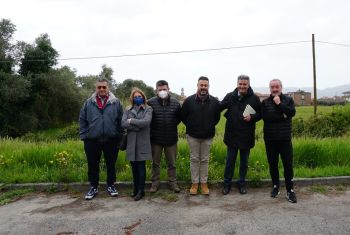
x: 314, y: 73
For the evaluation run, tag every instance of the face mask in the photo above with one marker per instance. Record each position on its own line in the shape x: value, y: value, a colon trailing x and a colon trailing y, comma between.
x: 138, y: 100
x: 163, y: 94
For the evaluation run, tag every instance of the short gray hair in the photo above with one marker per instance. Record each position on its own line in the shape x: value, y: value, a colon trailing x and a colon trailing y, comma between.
x: 243, y: 77
x: 102, y: 79
x: 276, y: 80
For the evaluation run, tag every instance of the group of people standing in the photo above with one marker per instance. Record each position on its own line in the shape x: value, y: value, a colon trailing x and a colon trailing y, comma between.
x: 151, y: 127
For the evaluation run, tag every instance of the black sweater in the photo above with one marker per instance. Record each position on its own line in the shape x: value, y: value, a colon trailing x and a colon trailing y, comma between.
x: 200, y: 117
x: 278, y: 118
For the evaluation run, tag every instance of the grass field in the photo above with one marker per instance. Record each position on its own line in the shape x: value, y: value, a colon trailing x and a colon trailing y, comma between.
x: 65, y: 161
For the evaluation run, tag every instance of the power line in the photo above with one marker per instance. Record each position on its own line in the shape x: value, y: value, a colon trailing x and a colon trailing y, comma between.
x: 333, y: 43
x: 179, y: 52
x: 166, y: 53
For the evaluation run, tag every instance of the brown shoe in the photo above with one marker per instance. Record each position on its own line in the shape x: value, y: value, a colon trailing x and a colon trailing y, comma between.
x: 204, y: 189
x: 194, y: 189
x: 174, y: 187
x: 153, y: 189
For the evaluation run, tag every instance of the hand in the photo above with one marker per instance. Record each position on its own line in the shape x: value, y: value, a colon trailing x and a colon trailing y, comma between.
x: 129, y: 120
x: 248, y: 118
x: 277, y: 99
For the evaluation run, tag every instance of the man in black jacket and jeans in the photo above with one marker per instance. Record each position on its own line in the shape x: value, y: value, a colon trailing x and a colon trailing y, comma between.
x: 165, y: 118
x: 243, y: 111
x: 277, y: 112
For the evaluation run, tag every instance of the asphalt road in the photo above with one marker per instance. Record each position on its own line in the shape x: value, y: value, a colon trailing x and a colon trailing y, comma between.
x: 253, y: 213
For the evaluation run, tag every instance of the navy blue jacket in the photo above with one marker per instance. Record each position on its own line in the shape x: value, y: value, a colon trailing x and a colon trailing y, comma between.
x: 97, y: 124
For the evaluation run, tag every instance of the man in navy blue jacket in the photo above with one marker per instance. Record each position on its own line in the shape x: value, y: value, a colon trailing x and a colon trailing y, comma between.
x: 100, y: 129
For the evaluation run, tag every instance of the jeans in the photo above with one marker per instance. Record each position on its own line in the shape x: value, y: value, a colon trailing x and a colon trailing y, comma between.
x: 139, y: 175
x: 230, y: 165
x: 93, y: 150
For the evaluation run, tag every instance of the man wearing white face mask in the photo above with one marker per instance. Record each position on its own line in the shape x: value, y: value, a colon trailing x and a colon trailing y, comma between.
x: 166, y: 117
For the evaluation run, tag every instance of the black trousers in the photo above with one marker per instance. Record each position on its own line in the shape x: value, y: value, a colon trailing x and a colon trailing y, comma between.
x: 93, y: 150
x: 139, y: 175
x: 285, y: 150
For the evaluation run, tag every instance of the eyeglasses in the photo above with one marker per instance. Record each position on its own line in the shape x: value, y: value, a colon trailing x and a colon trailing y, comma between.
x: 102, y: 87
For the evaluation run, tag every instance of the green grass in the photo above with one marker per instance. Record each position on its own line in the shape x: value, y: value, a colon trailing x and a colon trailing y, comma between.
x: 23, y: 161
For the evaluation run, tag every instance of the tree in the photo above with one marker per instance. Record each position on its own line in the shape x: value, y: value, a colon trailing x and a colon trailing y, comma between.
x: 7, y: 61
x: 124, y: 89
x: 39, y: 57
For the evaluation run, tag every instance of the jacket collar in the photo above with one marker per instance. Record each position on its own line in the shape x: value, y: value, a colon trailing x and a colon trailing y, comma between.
x: 111, y: 98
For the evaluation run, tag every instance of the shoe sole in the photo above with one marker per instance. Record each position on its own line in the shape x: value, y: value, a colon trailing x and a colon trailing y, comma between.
x: 89, y: 197
x: 113, y: 194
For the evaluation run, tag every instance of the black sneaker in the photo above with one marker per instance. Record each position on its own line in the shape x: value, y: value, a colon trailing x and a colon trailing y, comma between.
x: 91, y: 194
x: 226, y: 190
x: 242, y: 189
x: 275, y: 191
x: 112, y: 190
x: 291, y: 197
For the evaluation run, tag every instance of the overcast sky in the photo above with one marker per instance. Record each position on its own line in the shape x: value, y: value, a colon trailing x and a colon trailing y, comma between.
x: 80, y: 28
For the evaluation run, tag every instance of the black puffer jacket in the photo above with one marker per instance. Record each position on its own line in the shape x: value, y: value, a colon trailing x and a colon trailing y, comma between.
x: 239, y: 133
x: 278, y: 118
x: 165, y: 118
x: 200, y: 117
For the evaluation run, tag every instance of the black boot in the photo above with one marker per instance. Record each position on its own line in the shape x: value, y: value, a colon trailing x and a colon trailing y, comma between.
x: 140, y: 194
x: 134, y: 193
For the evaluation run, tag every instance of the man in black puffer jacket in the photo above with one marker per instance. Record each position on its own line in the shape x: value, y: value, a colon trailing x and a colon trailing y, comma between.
x: 277, y: 112
x: 165, y: 118
x: 239, y: 130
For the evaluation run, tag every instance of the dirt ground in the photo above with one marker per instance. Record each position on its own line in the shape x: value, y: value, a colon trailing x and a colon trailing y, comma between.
x: 320, y: 210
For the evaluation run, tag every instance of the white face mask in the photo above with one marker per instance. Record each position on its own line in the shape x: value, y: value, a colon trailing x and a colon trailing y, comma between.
x: 163, y: 94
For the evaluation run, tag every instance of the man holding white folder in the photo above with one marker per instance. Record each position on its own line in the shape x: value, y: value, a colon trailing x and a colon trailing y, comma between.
x: 243, y: 111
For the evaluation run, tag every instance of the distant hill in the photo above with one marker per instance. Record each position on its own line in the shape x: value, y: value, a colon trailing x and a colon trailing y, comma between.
x: 328, y: 92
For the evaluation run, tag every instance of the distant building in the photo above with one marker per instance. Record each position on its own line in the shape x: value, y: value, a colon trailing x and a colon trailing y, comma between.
x: 346, y: 95
x: 301, y: 97
x: 262, y: 96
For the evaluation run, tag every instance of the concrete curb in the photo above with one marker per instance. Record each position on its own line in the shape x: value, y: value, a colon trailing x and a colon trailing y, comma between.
x: 345, y: 180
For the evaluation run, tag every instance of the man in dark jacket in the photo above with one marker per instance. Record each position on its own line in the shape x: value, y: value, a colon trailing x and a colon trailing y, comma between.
x: 243, y: 111
x: 200, y: 113
x: 277, y: 112
x: 165, y: 118
x: 100, y: 129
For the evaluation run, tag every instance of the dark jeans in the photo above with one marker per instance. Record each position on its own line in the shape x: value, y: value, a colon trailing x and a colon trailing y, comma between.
x: 285, y: 149
x: 139, y: 175
x: 230, y: 165
x: 93, y: 150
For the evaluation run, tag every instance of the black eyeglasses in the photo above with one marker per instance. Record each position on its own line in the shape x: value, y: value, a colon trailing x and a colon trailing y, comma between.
x: 102, y: 87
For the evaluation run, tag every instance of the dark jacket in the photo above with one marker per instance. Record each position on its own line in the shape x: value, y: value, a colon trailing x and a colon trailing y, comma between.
x: 239, y: 133
x: 200, y: 117
x: 165, y: 118
x: 97, y: 124
x: 278, y: 118
x: 138, y: 133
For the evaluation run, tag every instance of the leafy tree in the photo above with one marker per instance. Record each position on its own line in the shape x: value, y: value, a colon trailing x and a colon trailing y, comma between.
x: 7, y: 61
x: 39, y: 57
x: 124, y: 89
